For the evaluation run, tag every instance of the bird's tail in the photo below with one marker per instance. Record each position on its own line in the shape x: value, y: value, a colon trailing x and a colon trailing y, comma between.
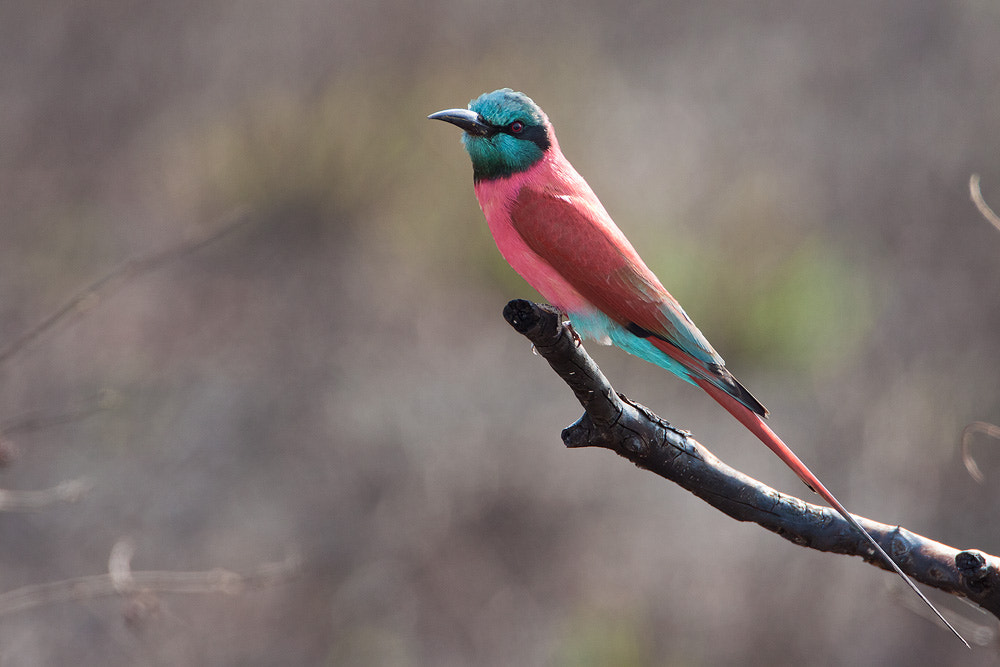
x: 759, y: 428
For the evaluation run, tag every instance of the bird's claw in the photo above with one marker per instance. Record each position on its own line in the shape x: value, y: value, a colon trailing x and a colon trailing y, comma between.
x: 576, y: 337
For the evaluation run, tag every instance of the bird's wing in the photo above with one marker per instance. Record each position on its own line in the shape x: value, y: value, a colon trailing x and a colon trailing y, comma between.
x: 580, y: 241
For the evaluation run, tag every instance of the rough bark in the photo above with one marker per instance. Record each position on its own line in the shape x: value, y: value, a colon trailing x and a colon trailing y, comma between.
x: 632, y: 431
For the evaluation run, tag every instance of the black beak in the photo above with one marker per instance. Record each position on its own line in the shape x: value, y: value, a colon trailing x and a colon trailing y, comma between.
x: 468, y: 120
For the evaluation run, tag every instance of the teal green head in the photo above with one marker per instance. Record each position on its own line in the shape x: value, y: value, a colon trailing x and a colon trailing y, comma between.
x: 505, y: 132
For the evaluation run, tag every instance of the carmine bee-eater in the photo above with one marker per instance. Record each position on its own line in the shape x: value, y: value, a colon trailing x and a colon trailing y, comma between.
x: 550, y: 226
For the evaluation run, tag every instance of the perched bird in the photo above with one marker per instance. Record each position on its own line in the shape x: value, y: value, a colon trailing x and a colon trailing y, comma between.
x: 552, y: 229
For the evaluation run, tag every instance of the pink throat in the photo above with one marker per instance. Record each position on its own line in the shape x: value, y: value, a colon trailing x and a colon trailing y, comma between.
x: 496, y: 198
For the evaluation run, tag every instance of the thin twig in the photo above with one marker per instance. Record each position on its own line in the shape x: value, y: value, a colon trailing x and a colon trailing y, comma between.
x: 34, y: 421
x: 977, y: 199
x: 69, y: 491
x: 120, y: 580
x: 86, y: 297
x: 984, y: 428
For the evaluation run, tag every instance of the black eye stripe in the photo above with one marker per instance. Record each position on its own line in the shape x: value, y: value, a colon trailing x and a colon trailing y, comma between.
x: 533, y: 133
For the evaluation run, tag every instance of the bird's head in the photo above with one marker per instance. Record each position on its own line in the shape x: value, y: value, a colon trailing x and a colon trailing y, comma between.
x: 505, y: 132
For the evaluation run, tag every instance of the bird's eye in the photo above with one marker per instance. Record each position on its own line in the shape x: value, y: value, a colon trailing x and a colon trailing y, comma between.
x: 516, y: 127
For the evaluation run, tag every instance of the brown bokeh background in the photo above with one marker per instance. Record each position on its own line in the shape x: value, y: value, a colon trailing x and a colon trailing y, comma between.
x: 333, y: 378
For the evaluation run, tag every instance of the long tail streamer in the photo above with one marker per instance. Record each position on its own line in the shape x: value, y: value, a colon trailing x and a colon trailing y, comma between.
x: 760, y: 429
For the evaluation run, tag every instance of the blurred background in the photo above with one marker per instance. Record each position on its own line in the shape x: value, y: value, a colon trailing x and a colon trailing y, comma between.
x: 333, y: 379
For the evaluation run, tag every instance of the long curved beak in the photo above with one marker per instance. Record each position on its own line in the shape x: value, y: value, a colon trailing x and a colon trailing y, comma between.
x: 468, y: 120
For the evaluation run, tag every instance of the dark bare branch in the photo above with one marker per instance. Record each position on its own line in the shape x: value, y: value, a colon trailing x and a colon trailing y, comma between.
x: 614, y: 422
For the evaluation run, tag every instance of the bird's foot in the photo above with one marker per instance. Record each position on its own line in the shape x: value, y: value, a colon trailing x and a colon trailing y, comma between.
x: 569, y: 326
